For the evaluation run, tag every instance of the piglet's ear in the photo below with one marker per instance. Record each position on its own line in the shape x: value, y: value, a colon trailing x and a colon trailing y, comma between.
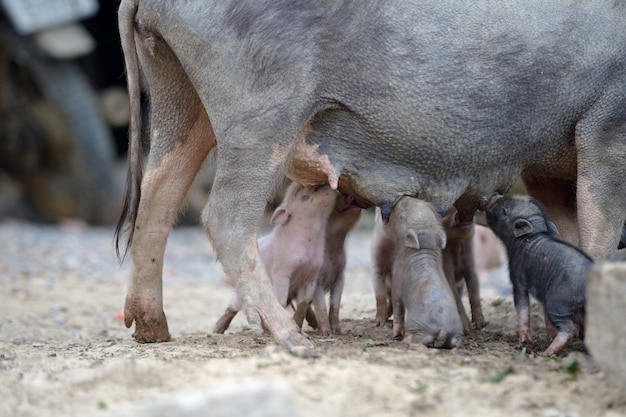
x: 522, y: 227
x: 280, y: 216
x: 441, y: 239
x: 552, y: 228
x: 410, y: 239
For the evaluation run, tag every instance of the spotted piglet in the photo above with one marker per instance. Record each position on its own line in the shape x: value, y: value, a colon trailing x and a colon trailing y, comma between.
x: 343, y: 218
x: 293, y: 252
x: 458, y: 264
x: 542, y: 264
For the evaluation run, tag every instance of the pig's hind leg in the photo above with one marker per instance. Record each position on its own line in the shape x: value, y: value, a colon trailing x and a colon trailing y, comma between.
x: 566, y: 332
x: 181, y: 136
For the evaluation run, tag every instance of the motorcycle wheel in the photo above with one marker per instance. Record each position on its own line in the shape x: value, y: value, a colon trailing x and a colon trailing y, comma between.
x: 54, y: 139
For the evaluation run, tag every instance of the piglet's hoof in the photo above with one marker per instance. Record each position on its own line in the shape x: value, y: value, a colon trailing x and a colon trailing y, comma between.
x: 150, y: 326
x: 479, y: 324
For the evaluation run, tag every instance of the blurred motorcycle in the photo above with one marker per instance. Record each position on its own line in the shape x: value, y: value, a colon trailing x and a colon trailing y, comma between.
x: 56, y: 150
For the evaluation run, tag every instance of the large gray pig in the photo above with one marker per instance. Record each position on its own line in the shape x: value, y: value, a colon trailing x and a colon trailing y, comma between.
x: 543, y: 265
x: 424, y: 308
x: 443, y: 100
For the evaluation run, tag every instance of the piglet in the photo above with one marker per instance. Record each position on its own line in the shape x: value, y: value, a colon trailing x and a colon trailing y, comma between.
x: 342, y: 219
x: 542, y: 264
x: 458, y: 264
x: 410, y: 254
x: 293, y: 252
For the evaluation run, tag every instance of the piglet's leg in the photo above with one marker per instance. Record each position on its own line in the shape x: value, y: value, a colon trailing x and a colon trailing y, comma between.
x: 522, y: 306
x: 335, y: 301
x: 459, y: 305
x: 473, y: 288
x: 319, y: 303
x: 551, y: 330
x: 558, y: 344
x: 398, y: 319
x: 566, y: 331
x: 380, y: 291
x: 231, y: 311
x: 311, y: 318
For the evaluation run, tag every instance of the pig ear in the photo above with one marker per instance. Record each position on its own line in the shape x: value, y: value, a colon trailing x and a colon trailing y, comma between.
x: 522, y: 227
x: 442, y: 239
x: 552, y: 228
x: 410, y: 239
x: 280, y: 216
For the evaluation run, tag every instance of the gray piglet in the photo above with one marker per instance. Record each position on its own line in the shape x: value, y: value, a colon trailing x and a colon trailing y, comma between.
x: 542, y: 264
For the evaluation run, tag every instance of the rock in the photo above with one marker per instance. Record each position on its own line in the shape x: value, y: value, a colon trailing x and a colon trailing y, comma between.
x: 605, y: 326
x: 254, y: 398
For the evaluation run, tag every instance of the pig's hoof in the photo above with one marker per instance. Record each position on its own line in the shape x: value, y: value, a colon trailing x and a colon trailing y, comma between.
x: 467, y: 328
x: 425, y: 339
x: 453, y: 342
x: 148, y: 330
x: 224, y: 322
x: 479, y: 324
x: 297, y: 341
x: 324, y: 332
x: 150, y: 325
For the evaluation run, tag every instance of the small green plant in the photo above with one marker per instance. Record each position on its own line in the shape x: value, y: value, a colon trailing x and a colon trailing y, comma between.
x: 502, y: 374
x: 420, y: 388
x: 571, y: 369
x: 497, y: 302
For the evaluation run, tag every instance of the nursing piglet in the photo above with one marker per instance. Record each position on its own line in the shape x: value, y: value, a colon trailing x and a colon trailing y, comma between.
x: 293, y: 252
x: 414, y: 238
x: 458, y: 264
x: 342, y: 219
x: 542, y: 264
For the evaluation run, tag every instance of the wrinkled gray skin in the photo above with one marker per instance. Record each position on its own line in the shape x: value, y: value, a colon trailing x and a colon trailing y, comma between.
x: 408, y: 276
x: 444, y: 100
x: 543, y: 265
x: 343, y: 219
x: 458, y: 264
x: 293, y: 252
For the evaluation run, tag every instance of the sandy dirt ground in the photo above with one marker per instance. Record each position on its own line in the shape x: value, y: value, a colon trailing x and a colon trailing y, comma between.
x: 64, y: 350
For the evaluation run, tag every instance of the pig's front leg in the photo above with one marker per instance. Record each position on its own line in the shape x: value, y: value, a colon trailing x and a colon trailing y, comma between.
x: 335, y: 301
x: 303, y: 302
x: 449, y: 271
x: 381, y: 292
x: 231, y: 311
x: 398, y: 319
x: 522, y: 306
x: 319, y: 304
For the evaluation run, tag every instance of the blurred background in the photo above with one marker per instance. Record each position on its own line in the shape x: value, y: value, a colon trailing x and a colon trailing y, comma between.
x: 63, y: 112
